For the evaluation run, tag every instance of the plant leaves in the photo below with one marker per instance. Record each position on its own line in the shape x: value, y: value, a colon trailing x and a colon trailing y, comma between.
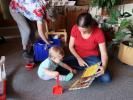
x: 124, y: 24
x: 120, y: 35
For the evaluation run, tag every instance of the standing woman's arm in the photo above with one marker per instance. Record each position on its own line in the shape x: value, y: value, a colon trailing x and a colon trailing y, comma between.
x: 42, y: 31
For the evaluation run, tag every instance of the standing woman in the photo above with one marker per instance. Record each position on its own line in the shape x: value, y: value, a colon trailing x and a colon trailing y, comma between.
x: 87, y: 44
x: 34, y: 10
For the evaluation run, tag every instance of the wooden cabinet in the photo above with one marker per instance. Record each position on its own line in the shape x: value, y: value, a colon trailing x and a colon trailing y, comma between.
x: 69, y: 16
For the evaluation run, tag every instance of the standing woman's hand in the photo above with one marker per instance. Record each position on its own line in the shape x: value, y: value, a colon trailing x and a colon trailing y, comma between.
x: 42, y: 31
x: 81, y: 62
x: 48, y: 42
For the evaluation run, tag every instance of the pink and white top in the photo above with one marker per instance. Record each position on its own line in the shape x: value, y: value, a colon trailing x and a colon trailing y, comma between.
x: 31, y: 9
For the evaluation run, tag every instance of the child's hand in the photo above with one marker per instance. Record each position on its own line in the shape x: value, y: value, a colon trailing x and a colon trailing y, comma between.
x: 73, y: 71
x: 55, y: 73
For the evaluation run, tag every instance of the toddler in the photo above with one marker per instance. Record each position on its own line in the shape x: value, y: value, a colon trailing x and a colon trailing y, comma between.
x: 47, y: 68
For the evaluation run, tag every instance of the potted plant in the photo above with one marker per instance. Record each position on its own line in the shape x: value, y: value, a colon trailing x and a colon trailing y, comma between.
x: 124, y: 39
x: 122, y: 28
x: 125, y: 53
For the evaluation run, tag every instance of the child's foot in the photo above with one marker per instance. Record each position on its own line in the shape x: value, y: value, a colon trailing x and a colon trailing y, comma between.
x: 67, y: 77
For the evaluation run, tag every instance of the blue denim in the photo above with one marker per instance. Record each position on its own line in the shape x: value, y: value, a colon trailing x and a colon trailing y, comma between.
x: 72, y: 61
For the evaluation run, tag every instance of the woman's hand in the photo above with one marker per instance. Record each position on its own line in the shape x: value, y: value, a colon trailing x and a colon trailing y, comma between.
x: 48, y: 42
x: 100, y: 71
x: 82, y: 63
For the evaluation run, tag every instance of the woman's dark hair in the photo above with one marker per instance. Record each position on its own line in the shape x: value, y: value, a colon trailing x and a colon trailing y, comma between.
x: 85, y: 20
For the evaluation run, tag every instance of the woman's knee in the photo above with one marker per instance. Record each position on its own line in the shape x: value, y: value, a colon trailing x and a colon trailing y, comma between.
x: 92, y: 60
x: 106, y: 78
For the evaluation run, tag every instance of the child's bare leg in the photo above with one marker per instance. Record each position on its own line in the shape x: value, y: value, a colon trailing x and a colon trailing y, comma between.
x: 46, y: 77
x: 54, y: 76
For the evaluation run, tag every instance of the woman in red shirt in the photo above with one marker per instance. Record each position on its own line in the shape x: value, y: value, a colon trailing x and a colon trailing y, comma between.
x: 87, y: 44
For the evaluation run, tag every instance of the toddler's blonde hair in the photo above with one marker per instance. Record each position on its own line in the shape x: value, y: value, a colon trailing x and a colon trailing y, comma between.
x: 55, y: 51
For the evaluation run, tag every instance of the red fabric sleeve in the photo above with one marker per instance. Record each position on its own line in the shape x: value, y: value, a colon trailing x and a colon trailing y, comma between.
x: 73, y: 31
x: 100, y: 36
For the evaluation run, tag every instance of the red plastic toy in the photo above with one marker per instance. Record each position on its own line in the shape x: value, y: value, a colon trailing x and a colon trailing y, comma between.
x: 3, y: 96
x: 29, y: 66
x: 57, y: 89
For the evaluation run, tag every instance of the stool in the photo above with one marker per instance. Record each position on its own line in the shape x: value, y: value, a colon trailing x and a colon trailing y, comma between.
x: 59, y: 33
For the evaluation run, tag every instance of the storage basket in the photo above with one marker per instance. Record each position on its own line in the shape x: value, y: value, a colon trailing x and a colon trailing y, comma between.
x: 41, y: 49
